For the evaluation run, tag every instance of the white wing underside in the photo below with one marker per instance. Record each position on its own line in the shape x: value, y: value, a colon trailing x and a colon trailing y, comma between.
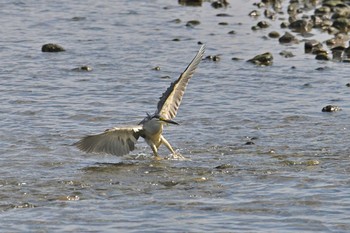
x: 116, y: 141
x: 171, y: 98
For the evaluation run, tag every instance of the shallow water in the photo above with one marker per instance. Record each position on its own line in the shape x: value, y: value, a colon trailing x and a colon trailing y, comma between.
x: 293, y: 178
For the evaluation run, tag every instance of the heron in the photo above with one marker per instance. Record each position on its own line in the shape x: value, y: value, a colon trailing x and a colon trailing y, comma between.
x: 121, y: 140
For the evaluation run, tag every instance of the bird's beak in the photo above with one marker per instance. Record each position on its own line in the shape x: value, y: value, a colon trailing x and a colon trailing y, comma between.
x: 168, y: 121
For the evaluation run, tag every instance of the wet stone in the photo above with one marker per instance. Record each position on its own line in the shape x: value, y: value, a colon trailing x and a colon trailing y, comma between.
x: 288, y: 38
x: 224, y: 166
x: 322, y: 11
x: 301, y: 25
x: 270, y: 14
x: 190, y: 2
x: 254, y: 13
x: 82, y: 68
x: 274, y: 34
x: 342, y: 24
x: 223, y: 15
x: 312, y: 45
x: 264, y: 59
x: 219, y: 4
x: 284, y: 25
x: 331, y: 108
x: 214, y: 58
x: 263, y: 24
x: 286, y: 54
x: 192, y: 23
x: 52, y: 48
x: 322, y: 57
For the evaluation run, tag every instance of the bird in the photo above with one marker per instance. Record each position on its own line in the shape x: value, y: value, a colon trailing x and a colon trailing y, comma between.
x: 121, y: 140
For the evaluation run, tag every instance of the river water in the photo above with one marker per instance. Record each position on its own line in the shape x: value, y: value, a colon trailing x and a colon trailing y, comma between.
x: 262, y: 157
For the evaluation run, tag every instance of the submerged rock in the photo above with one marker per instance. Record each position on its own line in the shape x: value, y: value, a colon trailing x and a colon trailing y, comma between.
x: 331, y: 108
x: 286, y: 54
x: 192, y: 23
x: 191, y: 2
x: 264, y: 59
x: 254, y: 13
x: 82, y: 68
x: 215, y: 58
x: 219, y: 4
x: 52, y: 48
x: 322, y: 57
x: 301, y: 25
x: 312, y: 45
x: 274, y: 34
x: 288, y: 38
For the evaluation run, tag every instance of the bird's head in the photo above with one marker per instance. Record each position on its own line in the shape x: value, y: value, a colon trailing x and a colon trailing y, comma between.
x: 157, y: 117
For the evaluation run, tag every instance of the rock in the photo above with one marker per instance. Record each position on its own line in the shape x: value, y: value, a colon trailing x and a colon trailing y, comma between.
x: 82, y: 68
x: 223, y: 15
x: 274, y: 34
x: 348, y: 85
x: 52, y: 48
x: 324, y: 10
x: 263, y: 24
x: 312, y: 45
x: 301, y: 26
x: 339, y: 39
x: 331, y: 108
x: 232, y: 32
x: 337, y: 52
x: 219, y: 4
x: 322, y: 57
x: 270, y: 14
x: 254, y: 13
x: 176, y: 21
x: 332, y: 3
x: 191, y: 2
x: 215, y: 58
x: 342, y: 24
x: 284, y: 25
x: 264, y: 59
x: 286, y: 54
x: 288, y: 38
x: 192, y: 23
x: 224, y: 166
x: 157, y: 68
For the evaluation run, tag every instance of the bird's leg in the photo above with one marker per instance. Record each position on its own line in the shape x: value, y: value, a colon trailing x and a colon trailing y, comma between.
x: 155, y: 152
x: 167, y: 144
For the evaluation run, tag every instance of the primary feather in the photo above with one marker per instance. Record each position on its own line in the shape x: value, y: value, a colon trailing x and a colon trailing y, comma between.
x: 171, y: 99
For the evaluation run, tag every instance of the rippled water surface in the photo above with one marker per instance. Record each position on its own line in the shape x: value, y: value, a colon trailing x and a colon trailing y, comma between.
x: 262, y: 155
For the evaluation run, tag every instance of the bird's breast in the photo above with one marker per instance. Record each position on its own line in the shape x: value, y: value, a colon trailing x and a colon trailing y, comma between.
x: 153, y: 127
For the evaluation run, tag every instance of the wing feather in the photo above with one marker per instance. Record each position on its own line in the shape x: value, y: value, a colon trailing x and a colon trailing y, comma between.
x: 171, y: 98
x: 115, y: 141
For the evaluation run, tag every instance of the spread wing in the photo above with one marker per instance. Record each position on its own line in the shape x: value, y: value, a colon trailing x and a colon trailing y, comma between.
x: 115, y: 141
x: 171, y: 99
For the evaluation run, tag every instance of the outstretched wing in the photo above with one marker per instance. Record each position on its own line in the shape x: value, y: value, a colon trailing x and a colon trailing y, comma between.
x: 115, y: 141
x: 171, y: 99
